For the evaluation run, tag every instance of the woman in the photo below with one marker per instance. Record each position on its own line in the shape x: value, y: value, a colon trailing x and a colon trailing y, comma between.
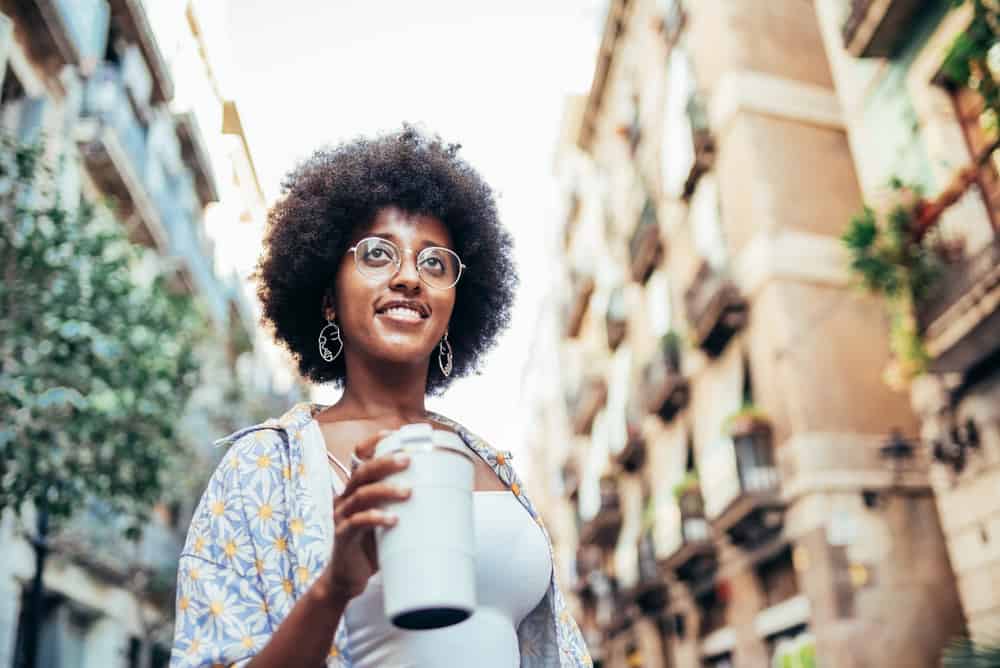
x: 386, y: 271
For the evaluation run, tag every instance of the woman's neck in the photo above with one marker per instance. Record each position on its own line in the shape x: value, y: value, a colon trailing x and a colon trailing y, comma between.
x: 386, y: 392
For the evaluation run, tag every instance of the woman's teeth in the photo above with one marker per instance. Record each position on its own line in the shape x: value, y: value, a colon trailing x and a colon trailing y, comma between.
x: 403, y: 313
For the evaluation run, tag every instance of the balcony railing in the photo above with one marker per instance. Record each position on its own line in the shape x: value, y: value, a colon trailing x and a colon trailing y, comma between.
x: 196, y: 154
x: 584, y: 401
x: 78, y: 29
x: 695, y: 561
x: 581, y: 289
x: 650, y: 592
x: 603, y: 529
x: 646, y: 245
x: 113, y: 145
x: 664, y: 388
x: 632, y: 453
x: 616, y: 318
x: 756, y: 514
x: 671, y: 20
x: 702, y: 141
x: 130, y: 16
x: 876, y: 28
x: 570, y: 474
x: 715, y: 309
x: 964, y: 297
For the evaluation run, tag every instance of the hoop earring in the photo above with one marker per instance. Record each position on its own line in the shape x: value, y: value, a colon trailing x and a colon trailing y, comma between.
x: 324, y: 352
x: 445, y: 356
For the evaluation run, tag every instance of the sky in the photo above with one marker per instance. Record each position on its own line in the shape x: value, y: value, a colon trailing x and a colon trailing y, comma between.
x: 492, y: 76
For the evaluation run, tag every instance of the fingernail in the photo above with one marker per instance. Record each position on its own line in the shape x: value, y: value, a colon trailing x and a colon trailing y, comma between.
x: 402, y: 459
x: 391, y: 518
x: 403, y: 491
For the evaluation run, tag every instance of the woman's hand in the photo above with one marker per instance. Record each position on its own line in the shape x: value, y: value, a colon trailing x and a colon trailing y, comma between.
x: 356, y: 512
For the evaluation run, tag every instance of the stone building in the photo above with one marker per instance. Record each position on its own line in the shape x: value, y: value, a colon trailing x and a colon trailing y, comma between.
x: 739, y: 483
x: 131, y: 104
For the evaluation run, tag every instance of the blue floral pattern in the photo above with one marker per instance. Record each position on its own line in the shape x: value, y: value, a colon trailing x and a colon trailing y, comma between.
x: 254, y: 548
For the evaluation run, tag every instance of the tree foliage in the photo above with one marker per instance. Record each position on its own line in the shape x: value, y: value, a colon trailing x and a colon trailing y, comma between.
x: 98, y: 356
x: 973, y: 60
x: 889, y: 260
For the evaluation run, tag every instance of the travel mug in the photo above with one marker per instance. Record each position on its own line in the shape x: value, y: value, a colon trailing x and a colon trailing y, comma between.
x: 427, y: 559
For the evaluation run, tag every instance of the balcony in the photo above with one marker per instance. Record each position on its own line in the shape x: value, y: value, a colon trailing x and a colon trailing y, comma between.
x: 715, y: 309
x: 960, y: 318
x: 650, y: 592
x: 631, y: 131
x: 671, y: 20
x: 664, y: 388
x: 702, y: 142
x: 95, y: 537
x: 581, y: 289
x: 632, y: 453
x: 195, y: 154
x: 602, y: 530
x: 113, y: 145
x: 129, y: 17
x: 757, y: 512
x: 616, y: 318
x: 646, y: 245
x: 75, y: 29
x: 876, y: 28
x: 570, y: 474
x: 695, y: 561
x: 584, y: 401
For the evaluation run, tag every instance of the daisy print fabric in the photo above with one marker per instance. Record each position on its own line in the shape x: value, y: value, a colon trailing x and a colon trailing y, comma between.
x: 257, y: 541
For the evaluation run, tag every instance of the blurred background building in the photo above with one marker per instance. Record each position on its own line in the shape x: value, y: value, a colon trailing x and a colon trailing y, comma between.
x: 743, y: 481
x: 131, y: 104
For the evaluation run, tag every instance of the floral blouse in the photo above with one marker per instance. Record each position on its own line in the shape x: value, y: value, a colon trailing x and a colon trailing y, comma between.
x: 262, y: 533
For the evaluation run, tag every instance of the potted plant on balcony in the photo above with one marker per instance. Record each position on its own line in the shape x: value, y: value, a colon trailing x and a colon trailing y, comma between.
x: 688, y: 495
x: 747, y: 421
x: 750, y: 429
x: 670, y: 346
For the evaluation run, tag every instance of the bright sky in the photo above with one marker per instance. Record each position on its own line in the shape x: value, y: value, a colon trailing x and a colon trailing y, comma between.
x: 492, y: 76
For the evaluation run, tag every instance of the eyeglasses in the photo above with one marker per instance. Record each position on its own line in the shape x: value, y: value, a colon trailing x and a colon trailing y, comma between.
x: 380, y: 259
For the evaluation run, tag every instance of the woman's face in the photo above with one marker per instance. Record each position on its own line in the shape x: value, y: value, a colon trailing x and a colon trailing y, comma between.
x: 398, y: 318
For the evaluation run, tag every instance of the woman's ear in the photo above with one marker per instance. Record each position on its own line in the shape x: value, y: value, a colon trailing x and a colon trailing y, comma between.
x: 329, y: 311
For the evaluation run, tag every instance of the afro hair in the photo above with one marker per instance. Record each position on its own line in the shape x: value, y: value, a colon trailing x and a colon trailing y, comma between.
x: 336, y: 193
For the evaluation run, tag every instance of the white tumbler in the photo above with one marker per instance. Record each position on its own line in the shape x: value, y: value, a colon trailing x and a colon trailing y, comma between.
x: 427, y: 559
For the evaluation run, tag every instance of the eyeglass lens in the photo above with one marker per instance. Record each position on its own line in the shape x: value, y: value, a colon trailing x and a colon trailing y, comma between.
x: 379, y: 258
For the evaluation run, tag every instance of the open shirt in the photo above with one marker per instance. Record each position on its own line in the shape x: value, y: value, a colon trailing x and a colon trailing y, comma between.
x: 263, y: 531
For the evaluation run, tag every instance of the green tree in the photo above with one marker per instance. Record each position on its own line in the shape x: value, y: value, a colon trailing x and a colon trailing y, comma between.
x: 97, y: 359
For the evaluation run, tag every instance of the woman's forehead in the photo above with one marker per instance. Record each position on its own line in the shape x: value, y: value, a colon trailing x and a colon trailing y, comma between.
x: 412, y: 229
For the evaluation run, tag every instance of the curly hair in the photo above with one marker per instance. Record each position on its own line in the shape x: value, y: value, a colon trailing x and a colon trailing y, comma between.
x: 337, y: 191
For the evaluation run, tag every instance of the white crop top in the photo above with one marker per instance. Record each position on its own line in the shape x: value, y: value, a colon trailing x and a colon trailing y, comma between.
x: 513, y: 571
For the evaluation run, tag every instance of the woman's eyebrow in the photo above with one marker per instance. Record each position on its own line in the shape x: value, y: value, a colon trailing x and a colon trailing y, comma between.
x: 425, y: 243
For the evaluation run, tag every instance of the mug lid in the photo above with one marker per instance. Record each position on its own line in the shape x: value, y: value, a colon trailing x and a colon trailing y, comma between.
x: 422, y: 437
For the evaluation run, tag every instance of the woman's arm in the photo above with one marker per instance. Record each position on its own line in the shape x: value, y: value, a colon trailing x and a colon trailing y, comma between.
x: 304, y: 637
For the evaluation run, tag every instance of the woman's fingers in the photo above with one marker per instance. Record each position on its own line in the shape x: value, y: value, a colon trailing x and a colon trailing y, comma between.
x: 366, y: 449
x: 369, y: 496
x: 374, y: 470
x: 353, y: 526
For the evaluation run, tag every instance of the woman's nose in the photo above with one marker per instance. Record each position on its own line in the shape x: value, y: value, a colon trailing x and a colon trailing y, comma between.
x: 407, y: 277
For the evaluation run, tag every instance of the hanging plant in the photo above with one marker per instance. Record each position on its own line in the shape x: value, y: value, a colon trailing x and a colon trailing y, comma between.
x: 890, y: 258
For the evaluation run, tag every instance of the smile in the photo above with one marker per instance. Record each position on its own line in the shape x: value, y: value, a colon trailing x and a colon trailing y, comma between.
x: 403, y: 313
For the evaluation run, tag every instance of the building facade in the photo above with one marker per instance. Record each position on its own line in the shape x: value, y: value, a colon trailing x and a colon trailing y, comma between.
x: 740, y: 485
x: 133, y: 107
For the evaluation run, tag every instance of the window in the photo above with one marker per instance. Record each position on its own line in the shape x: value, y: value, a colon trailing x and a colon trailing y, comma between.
x: 658, y: 304
x: 778, y: 578
x: 705, y: 218
x: 677, y: 149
